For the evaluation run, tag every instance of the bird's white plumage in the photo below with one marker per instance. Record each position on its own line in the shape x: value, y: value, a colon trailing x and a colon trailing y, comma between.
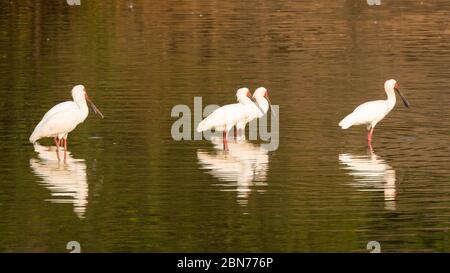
x: 57, y: 108
x: 372, y: 112
x: 63, y: 118
x: 369, y: 113
x: 253, y: 111
x: 227, y: 116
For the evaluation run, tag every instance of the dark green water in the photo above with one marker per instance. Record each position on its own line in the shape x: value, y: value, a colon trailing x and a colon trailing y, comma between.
x: 128, y: 186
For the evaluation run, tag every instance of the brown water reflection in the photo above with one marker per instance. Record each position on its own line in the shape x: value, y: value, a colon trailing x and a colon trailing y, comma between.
x: 67, y: 181
x: 241, y: 169
x: 372, y: 174
x: 145, y: 192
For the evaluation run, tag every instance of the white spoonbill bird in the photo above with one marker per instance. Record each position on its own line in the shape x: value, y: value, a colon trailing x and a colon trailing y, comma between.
x: 227, y: 116
x: 63, y: 118
x: 372, y: 112
x: 262, y: 101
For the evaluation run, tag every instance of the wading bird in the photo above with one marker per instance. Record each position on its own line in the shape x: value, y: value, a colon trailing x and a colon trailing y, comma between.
x: 63, y: 118
x: 261, y: 98
x: 227, y: 116
x: 372, y: 112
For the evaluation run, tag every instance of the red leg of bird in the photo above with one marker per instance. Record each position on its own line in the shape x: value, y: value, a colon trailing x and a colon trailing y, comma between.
x: 65, y: 149
x: 369, y: 137
x: 57, y: 148
x: 370, y: 148
x: 225, y: 141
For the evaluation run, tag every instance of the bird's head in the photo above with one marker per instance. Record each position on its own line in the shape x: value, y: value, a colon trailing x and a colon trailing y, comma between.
x: 263, y: 93
x: 79, y: 93
x: 390, y: 84
x: 393, y: 85
x: 243, y: 93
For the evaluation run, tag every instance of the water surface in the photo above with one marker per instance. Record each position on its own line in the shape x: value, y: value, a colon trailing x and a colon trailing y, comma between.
x: 128, y: 186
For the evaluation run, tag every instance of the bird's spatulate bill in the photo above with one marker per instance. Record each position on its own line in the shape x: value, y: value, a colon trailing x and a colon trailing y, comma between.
x: 96, y: 111
x: 405, y: 101
x: 257, y: 105
x: 271, y: 108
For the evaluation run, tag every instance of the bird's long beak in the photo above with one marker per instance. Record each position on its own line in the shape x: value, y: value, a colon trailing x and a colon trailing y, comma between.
x: 96, y: 111
x: 257, y: 104
x: 249, y: 95
x: 405, y: 101
x: 271, y: 108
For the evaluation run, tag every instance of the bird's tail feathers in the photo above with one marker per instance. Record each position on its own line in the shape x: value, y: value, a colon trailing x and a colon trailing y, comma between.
x: 33, y: 138
x: 204, y: 125
x: 347, y: 122
x: 35, y: 135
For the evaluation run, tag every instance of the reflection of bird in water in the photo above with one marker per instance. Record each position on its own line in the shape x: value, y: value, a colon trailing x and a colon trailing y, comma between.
x: 371, y: 173
x: 243, y: 167
x: 66, y: 181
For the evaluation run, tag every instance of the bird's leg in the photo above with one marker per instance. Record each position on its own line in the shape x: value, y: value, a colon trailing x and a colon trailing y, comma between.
x: 241, y: 132
x: 235, y: 133
x: 57, y: 148
x: 369, y: 137
x: 65, y: 149
x: 225, y: 141
x: 56, y: 139
x: 371, y: 148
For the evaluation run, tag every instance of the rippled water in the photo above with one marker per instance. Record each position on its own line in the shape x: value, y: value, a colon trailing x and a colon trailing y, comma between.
x: 128, y: 186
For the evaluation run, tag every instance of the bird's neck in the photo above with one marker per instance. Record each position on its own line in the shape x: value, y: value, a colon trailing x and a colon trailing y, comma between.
x: 263, y: 103
x: 391, y: 99
x: 82, y: 104
x: 245, y: 100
